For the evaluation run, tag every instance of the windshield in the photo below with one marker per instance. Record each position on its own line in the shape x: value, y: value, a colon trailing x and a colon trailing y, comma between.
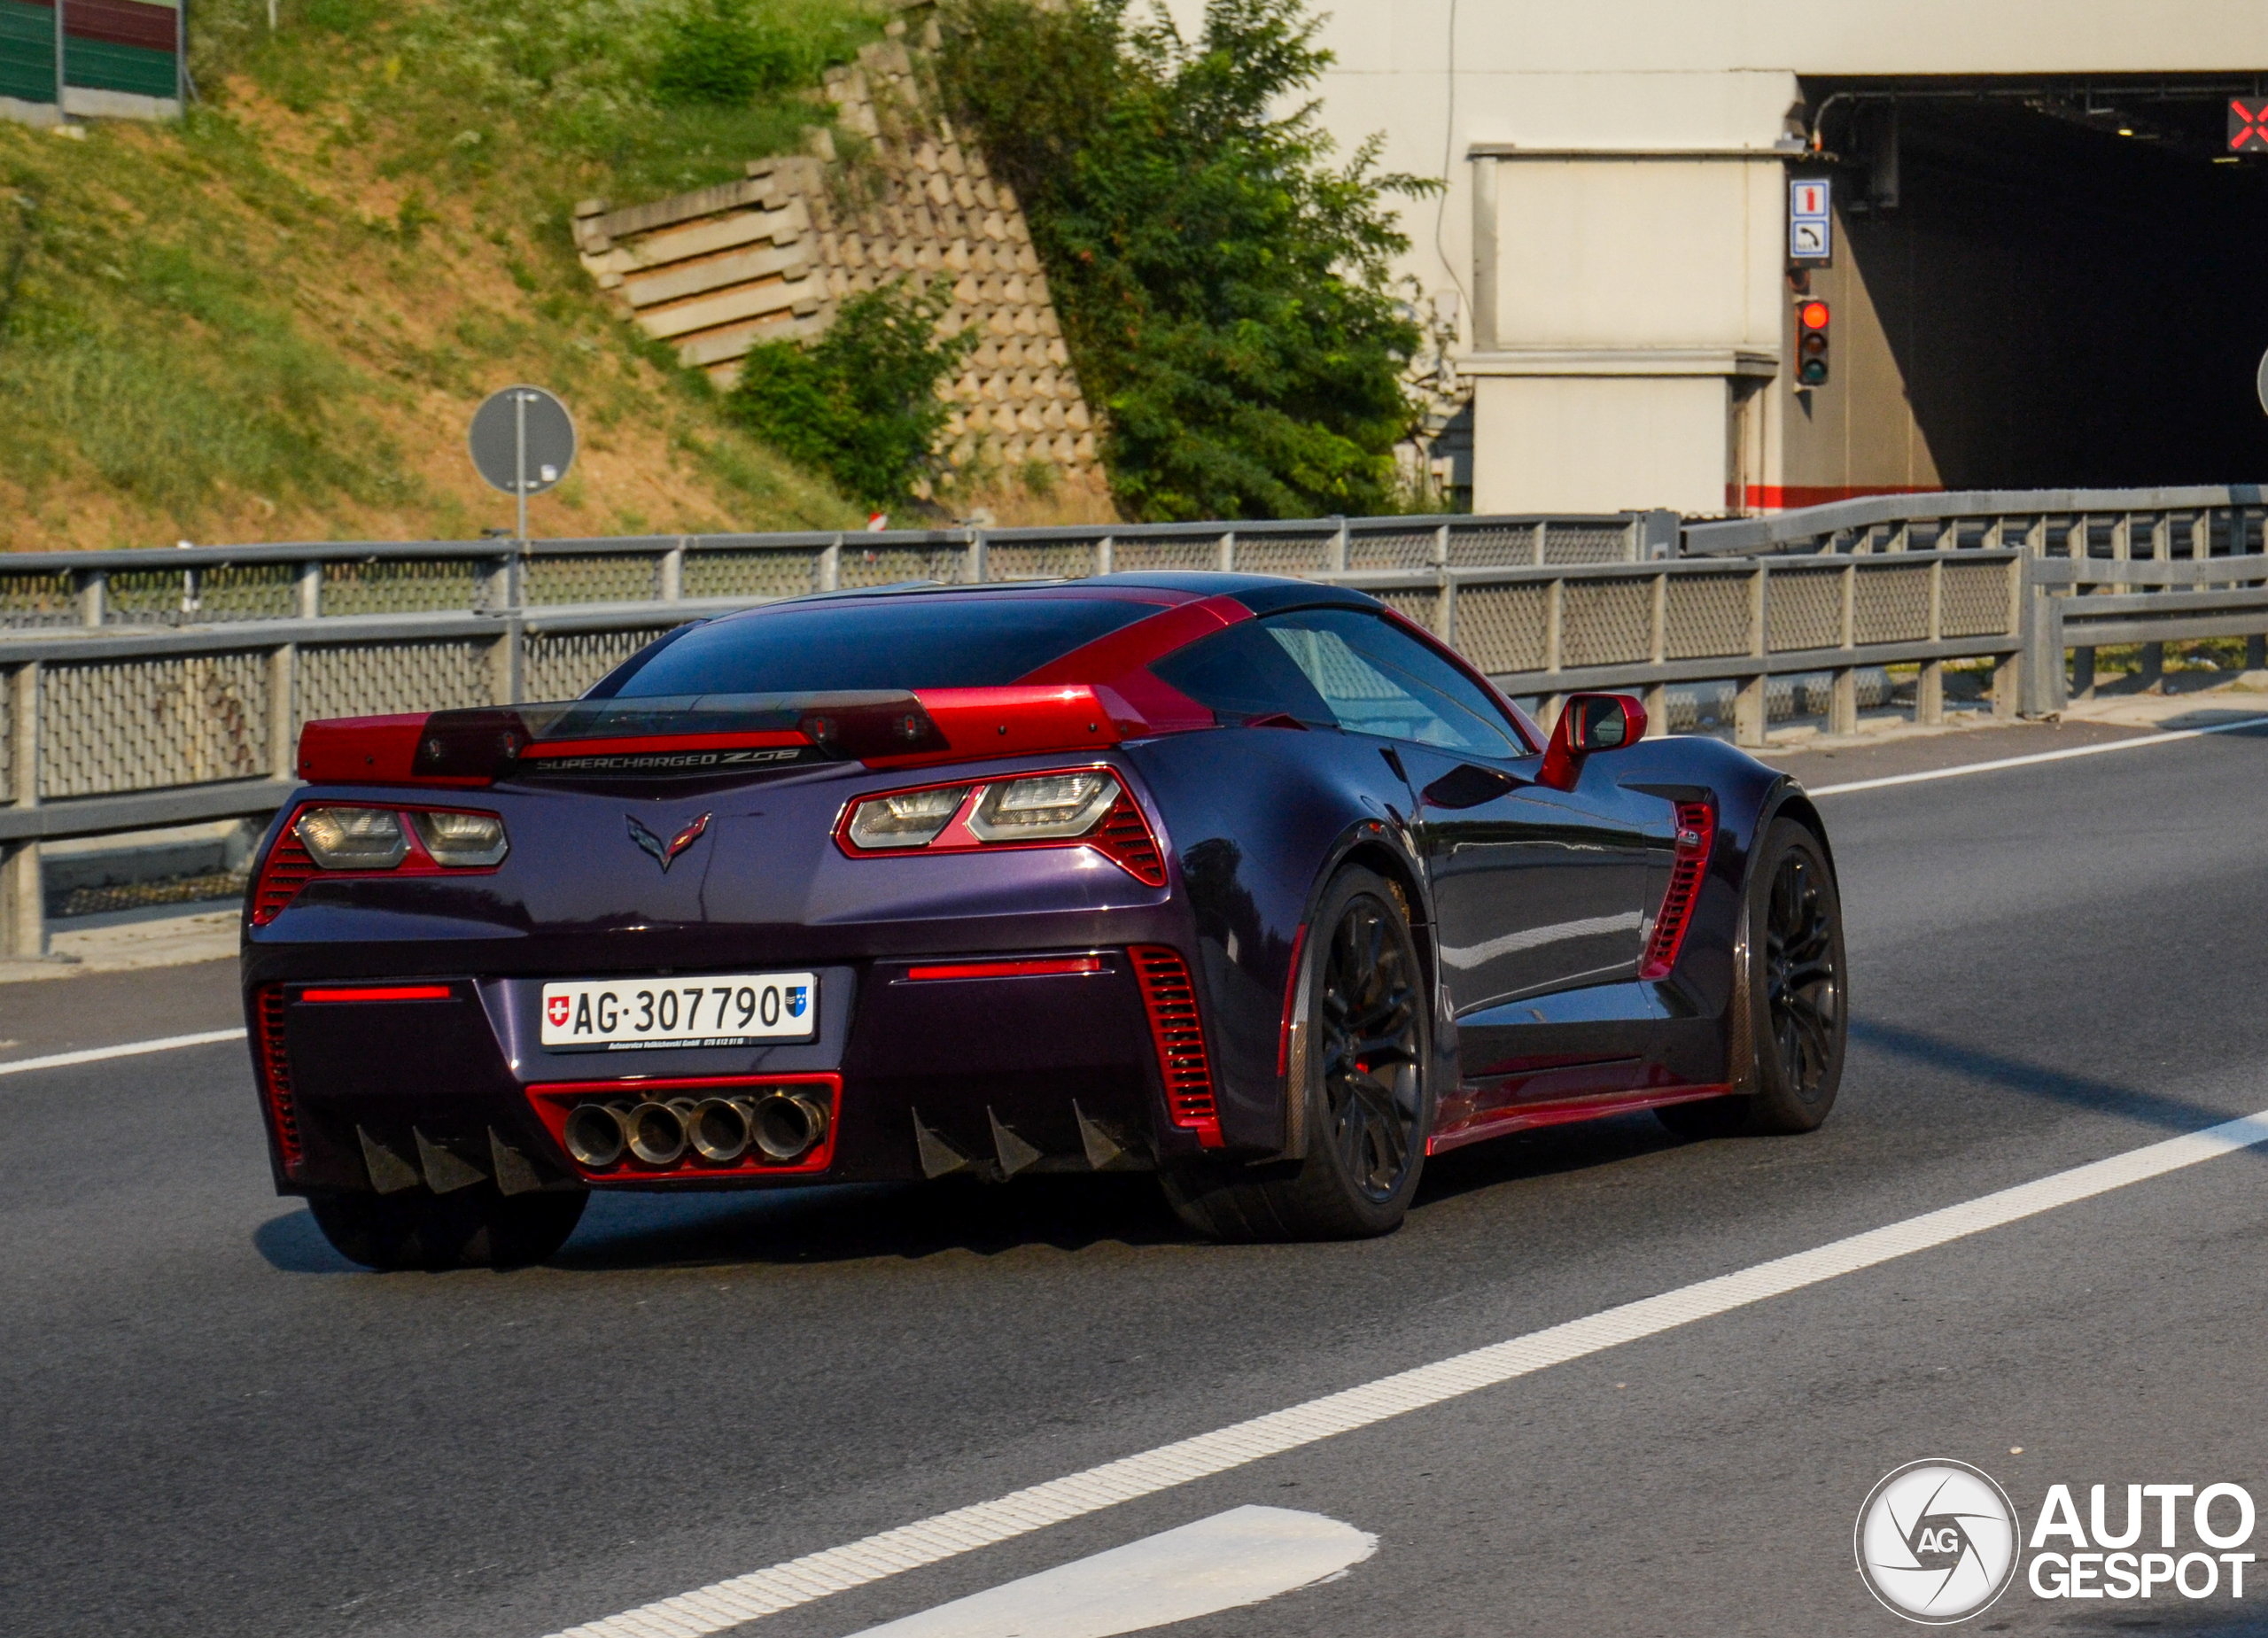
x: 861, y: 644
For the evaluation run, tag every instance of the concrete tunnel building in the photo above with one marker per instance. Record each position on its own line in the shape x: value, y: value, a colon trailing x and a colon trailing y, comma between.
x: 2048, y: 267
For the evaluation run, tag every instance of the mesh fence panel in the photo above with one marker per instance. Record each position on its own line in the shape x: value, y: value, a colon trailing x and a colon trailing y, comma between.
x: 1065, y: 559
x: 1140, y: 556
x: 1276, y: 553
x: 1892, y: 605
x: 560, y: 667
x: 43, y: 599
x: 614, y: 579
x: 1499, y: 628
x: 888, y: 565
x: 753, y: 575
x: 382, y: 678
x: 1804, y: 609
x: 1606, y: 622
x: 199, y: 596
x: 1495, y: 545
x: 1418, y: 607
x: 393, y: 586
x: 1707, y: 616
x: 1973, y: 600
x: 1390, y: 548
x: 136, y: 724
x: 1585, y: 543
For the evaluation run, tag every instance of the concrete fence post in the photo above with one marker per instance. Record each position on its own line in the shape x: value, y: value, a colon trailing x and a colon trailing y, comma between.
x: 1657, y: 695
x: 672, y: 573
x: 1752, y: 705
x: 1929, y: 686
x: 1842, y: 697
x: 1105, y: 555
x: 830, y: 566
x: 23, y: 921
x: 94, y: 587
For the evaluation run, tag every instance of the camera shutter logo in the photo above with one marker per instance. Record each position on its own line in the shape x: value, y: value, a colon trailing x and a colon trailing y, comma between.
x: 1937, y: 1541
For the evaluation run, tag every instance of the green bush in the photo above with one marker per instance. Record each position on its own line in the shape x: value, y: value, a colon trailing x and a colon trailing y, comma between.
x: 1224, y: 287
x: 721, y: 53
x: 861, y: 405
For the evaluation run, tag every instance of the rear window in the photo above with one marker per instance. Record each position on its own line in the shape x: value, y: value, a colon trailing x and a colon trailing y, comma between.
x: 878, y: 643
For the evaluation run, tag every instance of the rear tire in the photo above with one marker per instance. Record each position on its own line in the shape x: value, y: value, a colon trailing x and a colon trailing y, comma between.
x: 1367, y: 1111
x: 476, y: 1227
x: 1792, y: 996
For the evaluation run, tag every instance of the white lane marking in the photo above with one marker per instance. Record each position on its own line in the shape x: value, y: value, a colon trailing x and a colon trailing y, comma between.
x: 2142, y: 742
x: 131, y: 1049
x: 725, y: 1604
x: 1239, y: 1557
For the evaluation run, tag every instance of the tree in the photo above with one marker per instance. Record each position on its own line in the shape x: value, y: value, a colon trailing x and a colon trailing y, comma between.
x: 861, y: 405
x: 1223, y: 287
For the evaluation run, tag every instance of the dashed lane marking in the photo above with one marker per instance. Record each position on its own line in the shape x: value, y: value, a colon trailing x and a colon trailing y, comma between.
x: 131, y: 1049
x: 725, y: 1604
x: 2142, y: 742
x: 1243, y: 1556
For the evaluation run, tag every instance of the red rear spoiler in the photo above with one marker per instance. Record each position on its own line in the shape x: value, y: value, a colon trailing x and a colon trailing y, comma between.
x: 474, y: 748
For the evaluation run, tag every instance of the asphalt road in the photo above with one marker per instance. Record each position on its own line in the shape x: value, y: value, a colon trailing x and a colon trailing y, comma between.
x: 210, y: 1424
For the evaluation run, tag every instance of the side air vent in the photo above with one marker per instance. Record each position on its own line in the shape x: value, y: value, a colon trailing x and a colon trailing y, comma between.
x: 1697, y: 829
x: 1170, y: 1000
x: 276, y: 1075
x: 1125, y: 840
x: 288, y: 866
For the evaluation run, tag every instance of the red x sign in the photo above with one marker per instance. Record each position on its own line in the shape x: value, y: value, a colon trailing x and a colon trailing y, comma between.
x: 2247, y: 128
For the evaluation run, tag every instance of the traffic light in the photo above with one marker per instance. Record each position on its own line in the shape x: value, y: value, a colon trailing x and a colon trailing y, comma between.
x: 1811, y: 344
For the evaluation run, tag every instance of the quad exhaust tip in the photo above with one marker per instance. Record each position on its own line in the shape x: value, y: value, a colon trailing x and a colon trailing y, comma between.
x: 781, y: 1126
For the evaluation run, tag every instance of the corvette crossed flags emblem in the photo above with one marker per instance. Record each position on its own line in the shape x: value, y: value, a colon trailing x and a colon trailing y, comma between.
x: 664, y: 853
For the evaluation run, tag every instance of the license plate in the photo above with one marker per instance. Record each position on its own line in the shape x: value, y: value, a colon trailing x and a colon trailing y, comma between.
x: 624, y: 1014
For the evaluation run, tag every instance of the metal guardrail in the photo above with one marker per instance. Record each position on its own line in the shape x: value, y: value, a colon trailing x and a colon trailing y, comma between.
x: 145, y: 688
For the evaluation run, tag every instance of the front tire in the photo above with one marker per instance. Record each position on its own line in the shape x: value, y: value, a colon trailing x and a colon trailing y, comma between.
x: 1792, y: 996
x: 1367, y: 1112
x: 476, y: 1227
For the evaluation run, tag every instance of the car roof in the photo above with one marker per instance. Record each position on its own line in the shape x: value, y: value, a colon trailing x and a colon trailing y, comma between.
x: 1261, y: 593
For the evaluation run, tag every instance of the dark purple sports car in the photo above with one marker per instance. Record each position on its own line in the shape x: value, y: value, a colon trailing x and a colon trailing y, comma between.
x: 1248, y: 881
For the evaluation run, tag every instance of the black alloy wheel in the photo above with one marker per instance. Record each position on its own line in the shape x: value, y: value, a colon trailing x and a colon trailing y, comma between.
x: 1803, y: 979
x: 1369, y: 1047
x: 1789, y: 1010
x: 1362, y: 1110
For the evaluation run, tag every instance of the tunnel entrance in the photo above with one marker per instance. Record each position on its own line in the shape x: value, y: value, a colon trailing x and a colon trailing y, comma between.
x: 2047, y: 286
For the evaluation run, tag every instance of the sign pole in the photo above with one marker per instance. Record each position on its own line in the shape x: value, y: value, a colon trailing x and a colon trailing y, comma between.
x: 520, y: 461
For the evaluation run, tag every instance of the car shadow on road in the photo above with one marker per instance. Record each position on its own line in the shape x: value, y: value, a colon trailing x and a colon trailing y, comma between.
x: 859, y: 1221
x: 2171, y: 1115
x: 827, y: 1224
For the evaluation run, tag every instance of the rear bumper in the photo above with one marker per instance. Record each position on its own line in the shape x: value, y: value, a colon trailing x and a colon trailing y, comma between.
x: 926, y: 1065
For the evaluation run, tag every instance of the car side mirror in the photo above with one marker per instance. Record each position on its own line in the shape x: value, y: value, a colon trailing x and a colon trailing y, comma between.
x: 1589, y: 723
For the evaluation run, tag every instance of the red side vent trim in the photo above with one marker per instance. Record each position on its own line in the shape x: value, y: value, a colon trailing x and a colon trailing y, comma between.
x: 1124, y: 839
x: 286, y: 872
x: 275, y: 1076
x: 1170, y: 999
x: 1697, y: 829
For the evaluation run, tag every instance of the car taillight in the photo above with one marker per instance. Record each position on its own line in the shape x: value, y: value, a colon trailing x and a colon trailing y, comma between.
x: 1068, y: 807
x: 329, y: 839
x: 1049, y: 806
x: 462, y: 841
x: 909, y: 819
x: 352, y: 838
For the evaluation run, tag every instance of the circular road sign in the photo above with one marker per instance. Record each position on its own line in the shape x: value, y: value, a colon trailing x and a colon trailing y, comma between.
x: 522, y: 441
x: 2260, y: 381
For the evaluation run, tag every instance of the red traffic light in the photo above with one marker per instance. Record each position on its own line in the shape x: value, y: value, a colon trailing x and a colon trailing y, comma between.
x: 1812, y: 315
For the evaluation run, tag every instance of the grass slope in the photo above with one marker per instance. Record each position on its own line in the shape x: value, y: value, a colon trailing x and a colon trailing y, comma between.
x: 274, y: 320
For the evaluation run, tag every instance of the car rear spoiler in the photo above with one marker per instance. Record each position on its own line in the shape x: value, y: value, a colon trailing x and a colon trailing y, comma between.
x: 712, y: 734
